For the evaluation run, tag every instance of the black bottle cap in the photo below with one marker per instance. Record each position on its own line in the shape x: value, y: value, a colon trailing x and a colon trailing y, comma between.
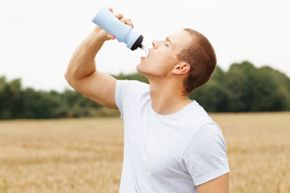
x: 137, y: 43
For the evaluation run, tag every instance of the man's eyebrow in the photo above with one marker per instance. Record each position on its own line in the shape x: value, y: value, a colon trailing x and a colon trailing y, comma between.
x: 167, y: 39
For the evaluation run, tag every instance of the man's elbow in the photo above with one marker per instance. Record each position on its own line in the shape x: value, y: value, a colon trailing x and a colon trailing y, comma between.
x: 70, y: 78
x: 217, y: 185
x: 67, y: 76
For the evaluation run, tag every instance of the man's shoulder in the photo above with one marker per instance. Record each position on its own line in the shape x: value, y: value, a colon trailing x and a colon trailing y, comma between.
x: 132, y: 89
x: 205, y: 121
x: 199, y: 113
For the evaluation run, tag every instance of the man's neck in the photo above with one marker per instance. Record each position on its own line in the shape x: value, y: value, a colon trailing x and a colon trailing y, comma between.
x: 167, y: 97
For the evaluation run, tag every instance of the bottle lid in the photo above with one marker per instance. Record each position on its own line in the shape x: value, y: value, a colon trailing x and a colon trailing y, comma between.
x: 137, y: 43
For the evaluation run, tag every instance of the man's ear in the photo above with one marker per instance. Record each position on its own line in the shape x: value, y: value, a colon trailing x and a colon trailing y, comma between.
x: 181, y: 68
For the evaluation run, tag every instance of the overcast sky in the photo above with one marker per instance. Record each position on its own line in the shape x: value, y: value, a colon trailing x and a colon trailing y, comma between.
x: 38, y: 37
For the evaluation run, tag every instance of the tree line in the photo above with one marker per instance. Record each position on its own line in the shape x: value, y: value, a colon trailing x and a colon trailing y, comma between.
x: 243, y: 88
x: 16, y: 102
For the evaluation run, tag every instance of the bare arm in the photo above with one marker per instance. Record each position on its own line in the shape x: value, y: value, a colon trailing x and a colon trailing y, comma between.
x: 82, y: 74
x: 217, y: 185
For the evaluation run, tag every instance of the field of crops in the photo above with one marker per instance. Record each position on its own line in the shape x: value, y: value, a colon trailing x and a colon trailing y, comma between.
x: 85, y: 155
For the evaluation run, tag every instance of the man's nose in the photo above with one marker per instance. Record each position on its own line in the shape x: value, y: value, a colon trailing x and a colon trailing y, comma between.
x: 155, y: 44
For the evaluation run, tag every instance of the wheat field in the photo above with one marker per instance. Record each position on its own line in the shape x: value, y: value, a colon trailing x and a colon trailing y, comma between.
x: 85, y: 155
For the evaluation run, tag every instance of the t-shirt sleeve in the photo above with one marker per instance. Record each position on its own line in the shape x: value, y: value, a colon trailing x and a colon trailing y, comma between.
x: 127, y: 94
x: 205, y: 156
x: 121, y: 90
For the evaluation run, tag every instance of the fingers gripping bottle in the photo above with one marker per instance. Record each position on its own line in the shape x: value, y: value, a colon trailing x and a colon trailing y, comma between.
x: 124, y: 33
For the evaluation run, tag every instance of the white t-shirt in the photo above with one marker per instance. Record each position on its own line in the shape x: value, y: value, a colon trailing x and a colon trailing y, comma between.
x: 166, y: 153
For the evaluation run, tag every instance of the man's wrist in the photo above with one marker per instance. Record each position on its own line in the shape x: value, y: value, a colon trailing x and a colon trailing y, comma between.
x: 100, y: 34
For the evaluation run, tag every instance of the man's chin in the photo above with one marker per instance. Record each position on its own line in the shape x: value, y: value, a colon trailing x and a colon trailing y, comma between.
x: 140, y: 69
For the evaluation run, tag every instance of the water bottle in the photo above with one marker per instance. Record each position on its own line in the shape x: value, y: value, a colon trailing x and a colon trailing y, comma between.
x: 124, y: 33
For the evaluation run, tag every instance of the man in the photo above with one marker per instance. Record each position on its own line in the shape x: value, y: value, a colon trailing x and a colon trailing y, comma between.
x: 171, y: 145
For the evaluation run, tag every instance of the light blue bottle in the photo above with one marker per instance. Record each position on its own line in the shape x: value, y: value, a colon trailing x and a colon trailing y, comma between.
x: 124, y: 33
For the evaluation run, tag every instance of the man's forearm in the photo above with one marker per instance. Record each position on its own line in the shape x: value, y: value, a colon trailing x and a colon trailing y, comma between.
x: 82, y: 63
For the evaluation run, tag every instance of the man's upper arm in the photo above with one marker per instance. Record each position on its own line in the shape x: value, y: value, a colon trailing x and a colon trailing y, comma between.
x: 99, y: 87
x: 217, y: 185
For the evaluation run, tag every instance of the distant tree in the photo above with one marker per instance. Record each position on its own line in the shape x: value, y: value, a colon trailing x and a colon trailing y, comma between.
x: 243, y: 88
x: 271, y: 92
x: 212, y: 96
x: 238, y: 81
x: 10, y: 95
x: 133, y: 76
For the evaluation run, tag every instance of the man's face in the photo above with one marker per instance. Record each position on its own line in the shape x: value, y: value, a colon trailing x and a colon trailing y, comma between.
x: 162, y: 56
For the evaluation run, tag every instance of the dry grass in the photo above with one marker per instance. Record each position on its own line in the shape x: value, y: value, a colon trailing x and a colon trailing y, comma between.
x: 85, y: 155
